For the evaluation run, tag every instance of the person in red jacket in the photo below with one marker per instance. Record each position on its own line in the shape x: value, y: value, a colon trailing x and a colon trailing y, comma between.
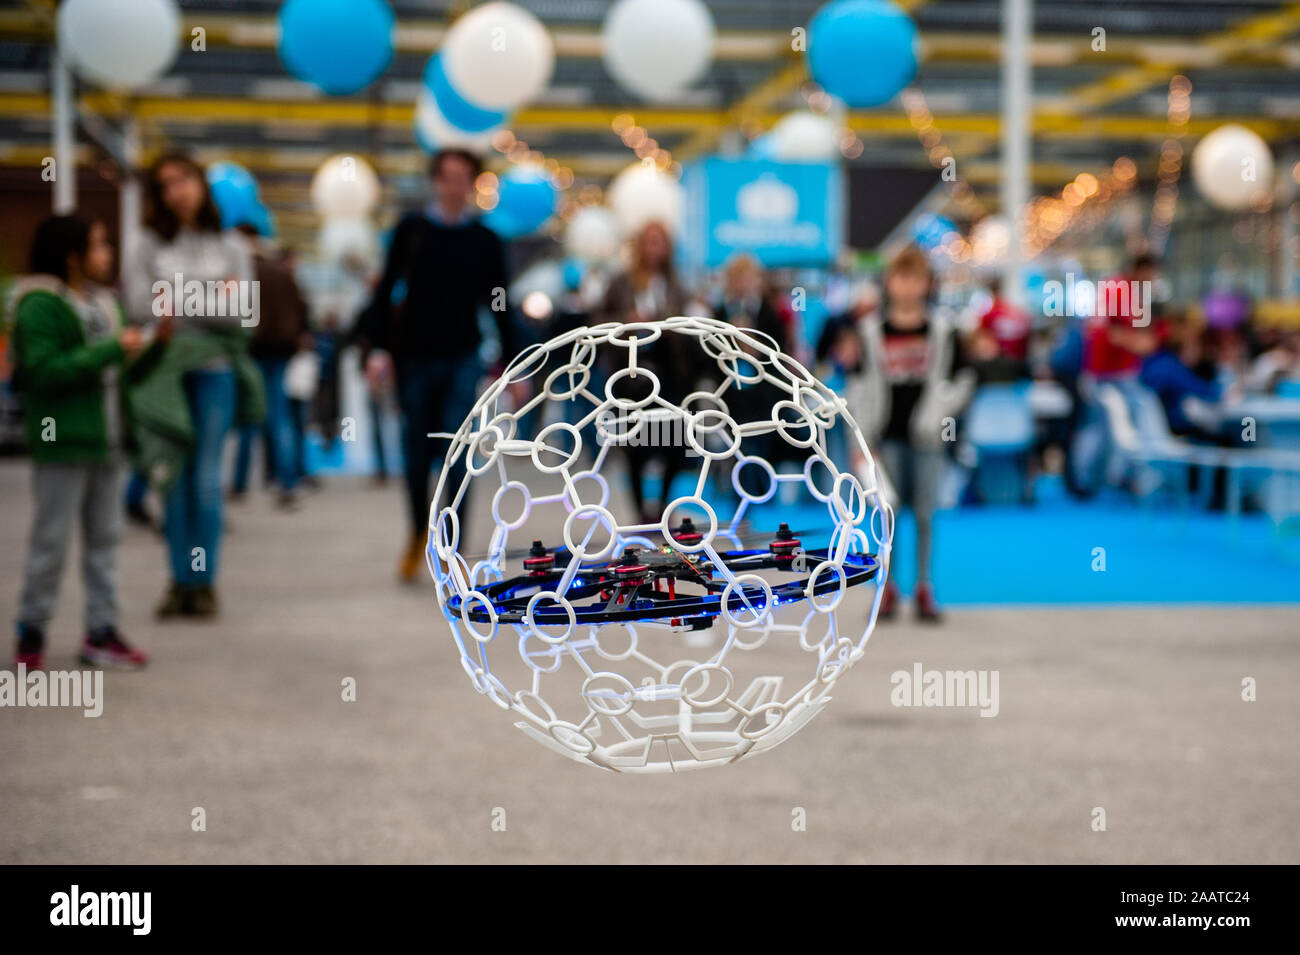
x: 1120, y: 333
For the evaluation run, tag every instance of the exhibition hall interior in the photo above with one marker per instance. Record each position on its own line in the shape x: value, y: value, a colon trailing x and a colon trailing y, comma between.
x: 649, y: 431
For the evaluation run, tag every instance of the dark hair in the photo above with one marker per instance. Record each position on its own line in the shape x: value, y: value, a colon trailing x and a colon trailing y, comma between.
x: 161, y: 219
x: 442, y: 155
x: 1144, y: 260
x: 57, y: 238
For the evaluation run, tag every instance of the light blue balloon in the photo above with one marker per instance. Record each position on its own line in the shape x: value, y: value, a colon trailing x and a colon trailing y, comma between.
x: 423, y: 140
x: 457, y: 110
x: 863, y: 51
x: 527, y: 200
x: 573, y: 272
x: 503, y: 224
x: 762, y: 147
x: 930, y: 230
x: 261, y: 219
x: 341, y: 46
x: 234, y: 190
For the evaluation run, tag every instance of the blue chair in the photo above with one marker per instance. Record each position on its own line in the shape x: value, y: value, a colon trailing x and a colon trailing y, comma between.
x: 1000, y: 431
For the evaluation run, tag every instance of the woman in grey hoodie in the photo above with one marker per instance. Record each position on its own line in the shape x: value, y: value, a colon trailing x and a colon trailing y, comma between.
x: 184, y: 265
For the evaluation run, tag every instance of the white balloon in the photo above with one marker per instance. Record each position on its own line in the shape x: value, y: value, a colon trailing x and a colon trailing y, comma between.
x: 346, y: 238
x: 641, y: 194
x: 805, y: 136
x: 657, y: 48
x: 546, y: 277
x: 990, y: 238
x: 119, y: 44
x: 592, y: 235
x: 344, y: 187
x: 440, y: 134
x: 1232, y: 167
x: 498, y: 56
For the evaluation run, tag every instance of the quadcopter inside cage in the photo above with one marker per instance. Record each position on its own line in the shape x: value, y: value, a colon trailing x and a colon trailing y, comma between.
x: 619, y: 646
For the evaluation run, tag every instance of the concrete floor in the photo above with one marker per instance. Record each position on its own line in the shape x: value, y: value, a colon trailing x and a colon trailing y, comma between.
x: 1134, y: 710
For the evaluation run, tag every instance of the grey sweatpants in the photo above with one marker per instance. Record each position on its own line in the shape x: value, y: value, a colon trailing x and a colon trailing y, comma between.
x: 916, y: 473
x: 64, y: 493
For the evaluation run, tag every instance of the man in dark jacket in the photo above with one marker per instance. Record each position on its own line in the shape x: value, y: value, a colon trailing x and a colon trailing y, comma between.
x: 444, y: 266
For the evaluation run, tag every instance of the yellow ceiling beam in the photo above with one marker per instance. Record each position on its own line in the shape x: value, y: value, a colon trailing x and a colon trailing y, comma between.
x: 342, y: 113
x: 1259, y: 32
x: 291, y: 192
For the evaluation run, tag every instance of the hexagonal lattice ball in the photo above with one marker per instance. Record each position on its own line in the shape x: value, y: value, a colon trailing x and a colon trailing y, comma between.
x: 657, y: 643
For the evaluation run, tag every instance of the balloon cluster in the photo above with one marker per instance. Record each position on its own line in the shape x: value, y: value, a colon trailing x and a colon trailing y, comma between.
x: 495, y: 58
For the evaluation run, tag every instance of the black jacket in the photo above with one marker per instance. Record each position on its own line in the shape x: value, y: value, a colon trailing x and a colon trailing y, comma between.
x: 442, y: 275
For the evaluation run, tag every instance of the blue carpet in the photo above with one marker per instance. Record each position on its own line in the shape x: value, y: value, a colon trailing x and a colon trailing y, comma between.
x: 1044, y: 553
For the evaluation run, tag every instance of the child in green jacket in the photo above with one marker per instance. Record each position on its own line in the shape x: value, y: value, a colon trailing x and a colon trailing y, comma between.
x: 72, y: 358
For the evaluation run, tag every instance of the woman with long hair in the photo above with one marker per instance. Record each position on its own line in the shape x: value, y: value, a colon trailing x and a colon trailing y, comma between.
x: 186, y: 266
x: 649, y: 291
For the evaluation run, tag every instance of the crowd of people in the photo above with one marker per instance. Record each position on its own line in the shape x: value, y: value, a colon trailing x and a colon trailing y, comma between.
x: 198, y: 374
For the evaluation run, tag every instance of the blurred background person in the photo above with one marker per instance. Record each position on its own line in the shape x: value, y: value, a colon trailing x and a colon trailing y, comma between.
x: 913, y: 377
x: 70, y: 350
x: 276, y: 337
x: 205, y: 381
x: 646, y: 291
x: 443, y: 267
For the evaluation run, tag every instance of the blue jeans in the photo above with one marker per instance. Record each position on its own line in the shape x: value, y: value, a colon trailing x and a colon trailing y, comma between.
x: 278, y: 430
x: 436, y: 394
x: 192, y: 516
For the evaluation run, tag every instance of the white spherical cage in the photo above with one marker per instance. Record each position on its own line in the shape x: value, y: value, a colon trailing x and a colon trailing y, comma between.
x: 634, y: 710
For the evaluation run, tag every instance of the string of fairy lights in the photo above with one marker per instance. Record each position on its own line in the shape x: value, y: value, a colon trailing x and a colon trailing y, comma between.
x: 1082, y: 200
x: 1079, y: 205
x: 1170, y: 167
x: 517, y: 152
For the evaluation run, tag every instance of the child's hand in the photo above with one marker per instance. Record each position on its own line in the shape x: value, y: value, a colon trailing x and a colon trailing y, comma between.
x: 131, y: 339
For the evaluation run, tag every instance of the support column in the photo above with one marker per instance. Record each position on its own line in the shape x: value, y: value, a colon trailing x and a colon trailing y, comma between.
x: 65, y: 163
x: 1017, y: 25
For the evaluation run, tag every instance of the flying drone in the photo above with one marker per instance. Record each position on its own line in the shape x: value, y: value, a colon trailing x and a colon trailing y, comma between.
x: 642, y: 584
x: 643, y: 646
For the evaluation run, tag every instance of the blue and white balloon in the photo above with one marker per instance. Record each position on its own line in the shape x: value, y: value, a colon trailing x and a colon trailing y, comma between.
x: 456, y: 109
x: 498, y: 56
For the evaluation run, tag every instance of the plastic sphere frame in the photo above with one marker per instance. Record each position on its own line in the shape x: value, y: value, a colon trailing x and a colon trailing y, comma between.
x: 615, y: 685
